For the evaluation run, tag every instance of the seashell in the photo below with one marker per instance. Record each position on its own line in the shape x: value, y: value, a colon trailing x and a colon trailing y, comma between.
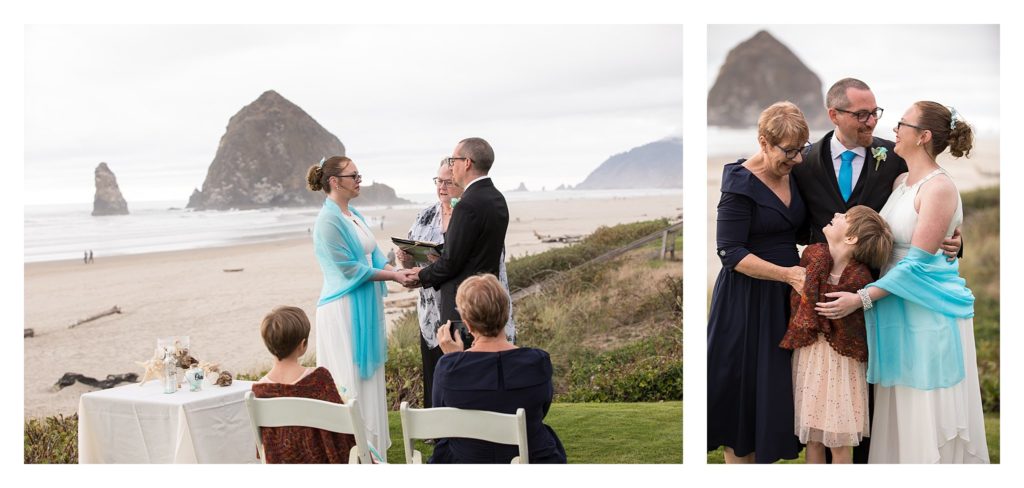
x: 186, y: 361
x: 154, y: 368
x: 224, y: 379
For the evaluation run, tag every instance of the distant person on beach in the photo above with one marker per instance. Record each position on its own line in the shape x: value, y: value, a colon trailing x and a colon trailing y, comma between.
x: 750, y: 384
x: 391, y: 257
x: 430, y: 226
x: 350, y: 327
x: 849, y: 167
x: 85, y: 257
x: 476, y: 234
x: 90, y: 256
x: 285, y: 332
x: 919, y: 314
x: 494, y: 375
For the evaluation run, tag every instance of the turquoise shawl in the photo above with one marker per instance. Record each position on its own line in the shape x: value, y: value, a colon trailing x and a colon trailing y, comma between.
x: 347, y: 273
x: 913, y: 338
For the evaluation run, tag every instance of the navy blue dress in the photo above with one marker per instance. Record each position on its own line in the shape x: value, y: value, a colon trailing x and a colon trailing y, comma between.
x: 750, y: 385
x: 499, y: 382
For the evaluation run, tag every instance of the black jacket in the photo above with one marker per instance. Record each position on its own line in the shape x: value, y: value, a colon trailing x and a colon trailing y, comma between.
x: 472, y: 245
x: 819, y: 187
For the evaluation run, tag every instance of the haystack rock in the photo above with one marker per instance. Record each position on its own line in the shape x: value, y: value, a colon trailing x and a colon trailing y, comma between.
x: 263, y: 157
x: 108, y: 199
x: 757, y: 73
x: 521, y: 187
x: 655, y: 165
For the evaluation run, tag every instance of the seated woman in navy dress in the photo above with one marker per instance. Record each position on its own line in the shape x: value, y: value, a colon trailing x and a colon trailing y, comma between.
x: 750, y: 385
x: 495, y: 375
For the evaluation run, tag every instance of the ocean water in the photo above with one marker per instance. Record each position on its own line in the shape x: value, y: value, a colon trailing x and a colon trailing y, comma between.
x: 66, y: 231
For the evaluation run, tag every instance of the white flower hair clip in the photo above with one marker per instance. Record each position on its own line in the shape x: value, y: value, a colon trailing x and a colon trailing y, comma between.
x: 953, y: 116
x: 322, y: 161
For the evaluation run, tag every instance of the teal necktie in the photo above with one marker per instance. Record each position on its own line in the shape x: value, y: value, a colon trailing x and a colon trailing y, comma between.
x: 846, y: 174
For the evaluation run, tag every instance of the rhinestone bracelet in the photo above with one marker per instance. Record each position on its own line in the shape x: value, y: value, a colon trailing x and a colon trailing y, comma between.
x: 865, y: 299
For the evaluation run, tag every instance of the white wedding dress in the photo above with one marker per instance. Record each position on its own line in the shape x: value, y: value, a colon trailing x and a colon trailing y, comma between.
x: 944, y: 425
x: 334, y: 352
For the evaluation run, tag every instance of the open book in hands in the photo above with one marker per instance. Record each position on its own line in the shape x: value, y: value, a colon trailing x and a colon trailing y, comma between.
x: 419, y: 250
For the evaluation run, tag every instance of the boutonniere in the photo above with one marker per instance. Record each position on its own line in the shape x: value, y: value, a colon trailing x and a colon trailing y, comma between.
x: 879, y: 154
x: 454, y: 201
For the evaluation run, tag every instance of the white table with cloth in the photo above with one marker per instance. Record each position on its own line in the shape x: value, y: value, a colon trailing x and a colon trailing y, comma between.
x: 142, y: 424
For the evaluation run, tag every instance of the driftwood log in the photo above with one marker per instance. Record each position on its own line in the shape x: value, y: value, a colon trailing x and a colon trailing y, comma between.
x: 110, y: 311
x: 565, y: 239
x: 112, y: 380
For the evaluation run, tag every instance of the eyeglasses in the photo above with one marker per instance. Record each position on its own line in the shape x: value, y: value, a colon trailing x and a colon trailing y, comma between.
x: 902, y: 123
x: 355, y: 176
x: 451, y: 161
x: 863, y: 115
x: 791, y: 153
x: 440, y: 182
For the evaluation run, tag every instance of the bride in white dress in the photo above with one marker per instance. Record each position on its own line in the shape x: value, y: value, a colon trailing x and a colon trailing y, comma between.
x: 919, y: 314
x: 351, y: 341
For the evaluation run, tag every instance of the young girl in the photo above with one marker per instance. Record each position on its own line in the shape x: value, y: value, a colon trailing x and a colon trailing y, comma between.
x: 285, y: 332
x: 830, y: 396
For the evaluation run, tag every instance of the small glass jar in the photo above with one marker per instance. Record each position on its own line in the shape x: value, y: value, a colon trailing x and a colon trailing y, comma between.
x: 170, y: 374
x: 194, y: 376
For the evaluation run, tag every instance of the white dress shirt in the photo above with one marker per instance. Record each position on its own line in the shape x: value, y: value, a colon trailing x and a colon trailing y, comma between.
x: 858, y: 161
x: 481, y: 178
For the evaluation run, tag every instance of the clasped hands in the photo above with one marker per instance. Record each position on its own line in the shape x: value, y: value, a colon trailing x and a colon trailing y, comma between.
x: 408, y: 278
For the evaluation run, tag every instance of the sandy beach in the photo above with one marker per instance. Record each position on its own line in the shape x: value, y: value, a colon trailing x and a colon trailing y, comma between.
x: 979, y: 171
x: 189, y: 293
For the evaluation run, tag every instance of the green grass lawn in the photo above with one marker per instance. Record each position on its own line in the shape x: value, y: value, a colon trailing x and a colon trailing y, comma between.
x: 991, y: 437
x: 598, y: 433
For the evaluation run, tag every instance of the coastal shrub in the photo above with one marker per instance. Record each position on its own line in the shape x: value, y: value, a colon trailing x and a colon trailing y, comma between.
x: 648, y: 370
x: 524, y: 271
x: 403, y: 371
x: 598, y: 325
x: 980, y: 267
x: 52, y: 440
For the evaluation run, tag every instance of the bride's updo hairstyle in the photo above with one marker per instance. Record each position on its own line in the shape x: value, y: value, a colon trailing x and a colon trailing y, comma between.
x: 317, y: 176
x: 948, y: 130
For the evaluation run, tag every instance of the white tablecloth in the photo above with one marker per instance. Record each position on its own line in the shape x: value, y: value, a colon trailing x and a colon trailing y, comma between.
x: 142, y: 424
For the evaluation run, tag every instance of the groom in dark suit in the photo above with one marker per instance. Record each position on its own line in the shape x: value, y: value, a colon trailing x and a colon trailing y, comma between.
x: 476, y: 233
x: 849, y: 167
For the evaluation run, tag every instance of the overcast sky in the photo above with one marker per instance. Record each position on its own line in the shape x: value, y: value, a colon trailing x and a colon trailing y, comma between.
x: 954, y: 65
x: 153, y: 101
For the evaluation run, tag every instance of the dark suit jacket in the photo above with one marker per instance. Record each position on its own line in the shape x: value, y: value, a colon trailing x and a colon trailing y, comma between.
x: 819, y: 186
x: 472, y: 245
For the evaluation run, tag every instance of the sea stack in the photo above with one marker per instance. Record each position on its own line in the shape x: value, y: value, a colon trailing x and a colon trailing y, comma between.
x: 263, y: 157
x: 757, y: 73
x: 108, y: 199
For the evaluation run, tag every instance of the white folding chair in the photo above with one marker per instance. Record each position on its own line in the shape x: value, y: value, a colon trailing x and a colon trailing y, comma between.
x: 307, y: 412
x: 436, y: 423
